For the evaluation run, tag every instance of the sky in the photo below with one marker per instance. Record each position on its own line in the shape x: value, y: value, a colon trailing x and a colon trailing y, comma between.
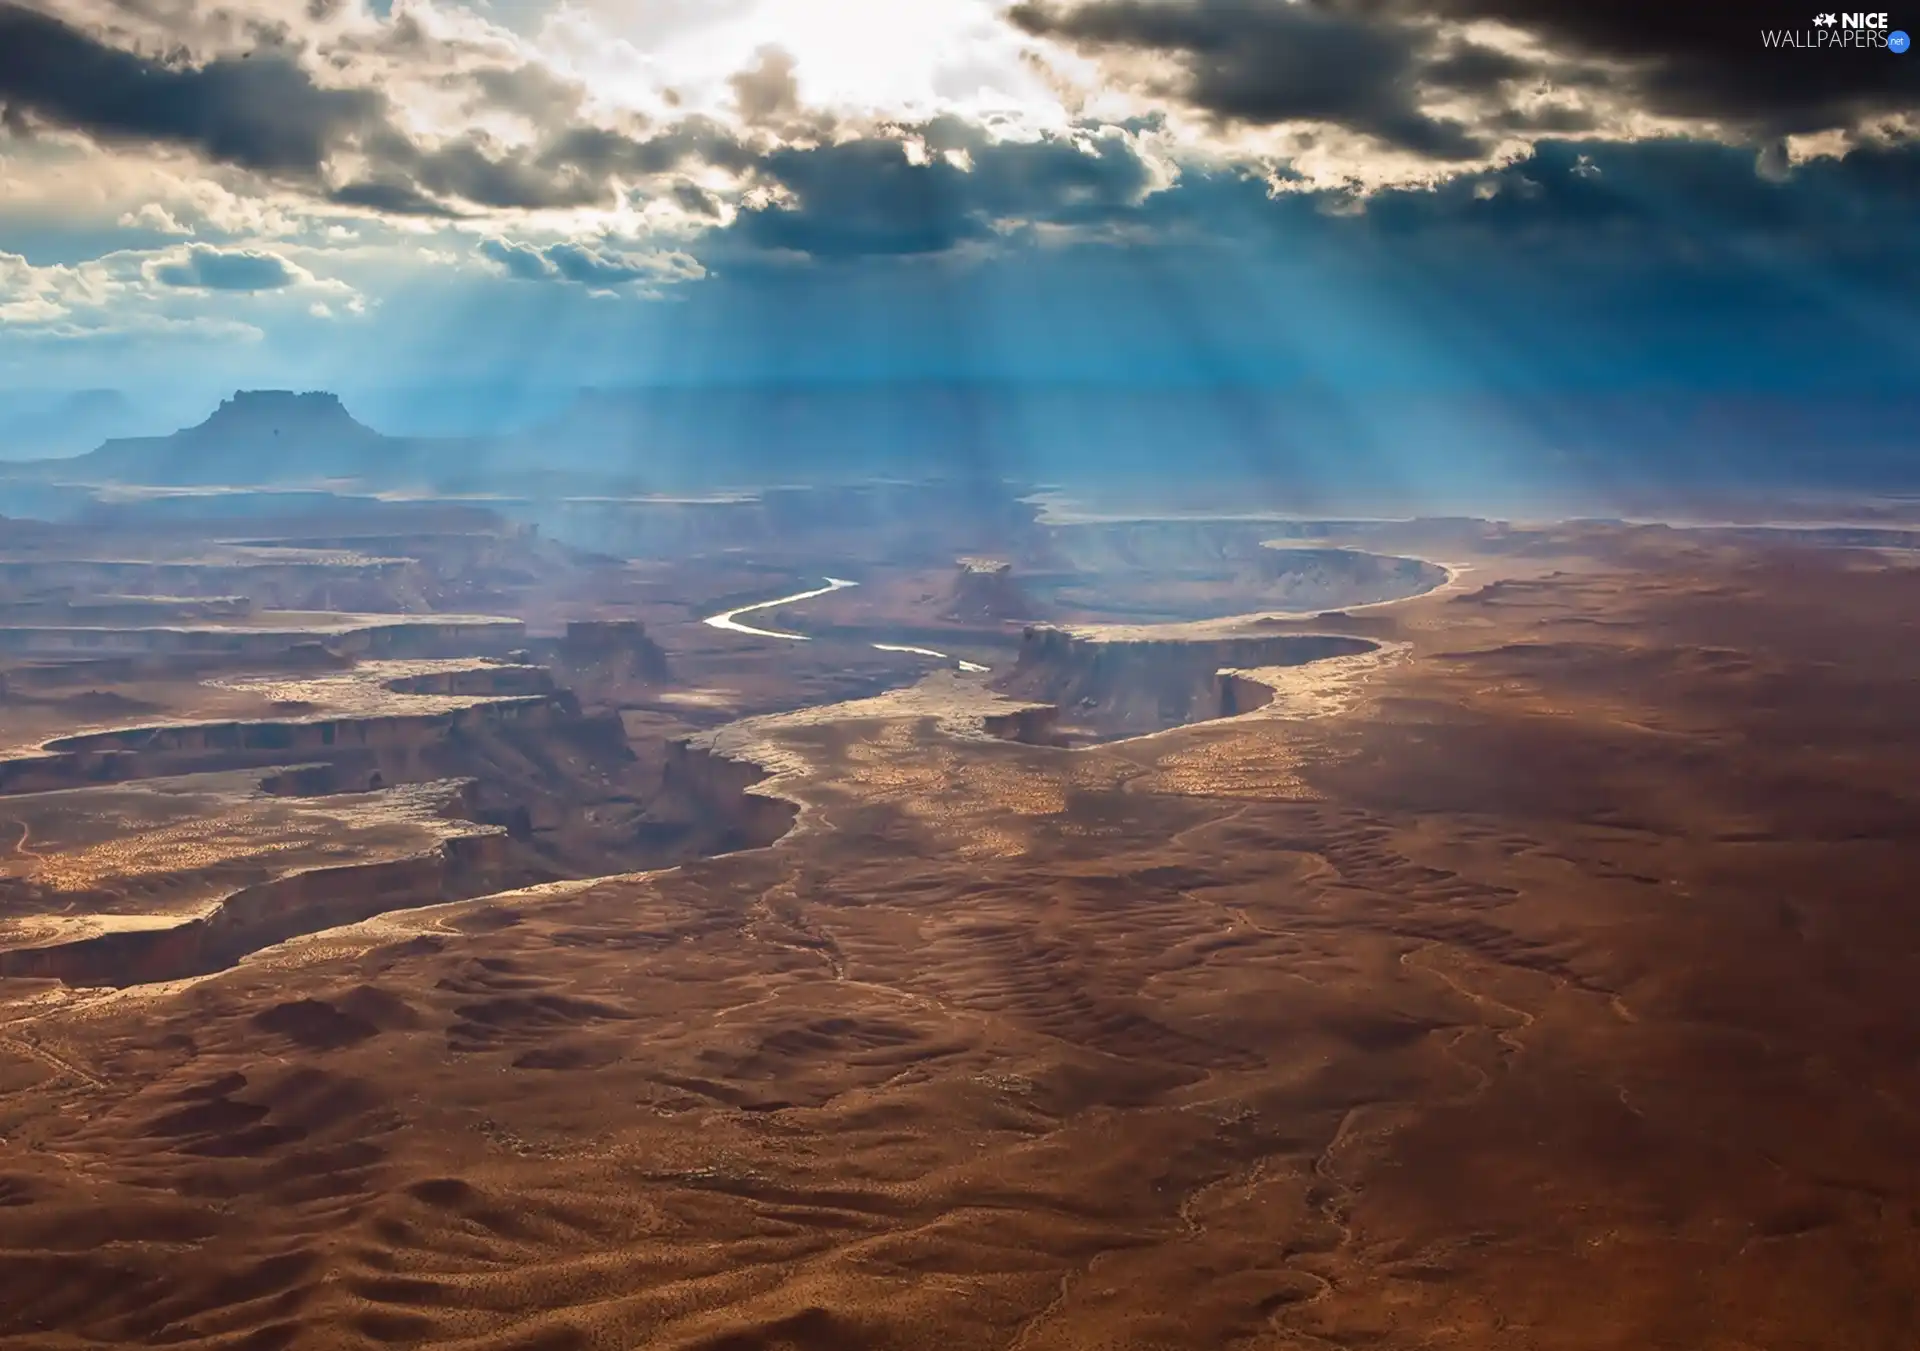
x: 505, y: 201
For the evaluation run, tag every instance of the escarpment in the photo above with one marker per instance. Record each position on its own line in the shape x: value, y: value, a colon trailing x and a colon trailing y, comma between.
x: 421, y: 782
x: 259, y: 916
x: 394, y: 741
x: 712, y: 795
x: 1033, y: 725
x: 1107, y: 688
x: 375, y: 636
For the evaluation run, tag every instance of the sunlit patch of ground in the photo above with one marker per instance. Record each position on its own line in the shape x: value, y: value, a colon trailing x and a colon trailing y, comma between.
x: 366, y: 690
x: 161, y: 851
x: 1318, y: 689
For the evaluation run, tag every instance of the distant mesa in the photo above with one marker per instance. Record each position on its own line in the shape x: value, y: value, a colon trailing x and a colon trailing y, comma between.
x: 257, y: 436
x: 984, y: 591
x: 259, y: 415
x: 694, y: 438
x: 274, y: 411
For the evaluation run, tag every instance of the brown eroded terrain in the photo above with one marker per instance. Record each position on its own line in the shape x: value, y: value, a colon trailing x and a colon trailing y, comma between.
x: 1537, y: 973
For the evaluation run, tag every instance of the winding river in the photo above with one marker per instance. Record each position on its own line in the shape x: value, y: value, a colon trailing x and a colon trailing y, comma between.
x: 730, y: 621
x: 727, y: 619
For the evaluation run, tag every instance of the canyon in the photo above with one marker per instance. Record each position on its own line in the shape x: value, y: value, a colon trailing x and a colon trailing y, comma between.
x: 1128, y: 686
x: 418, y: 929
x: 530, y: 780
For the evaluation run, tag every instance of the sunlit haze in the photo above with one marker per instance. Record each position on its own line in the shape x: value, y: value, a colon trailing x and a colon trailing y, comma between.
x: 1447, y: 226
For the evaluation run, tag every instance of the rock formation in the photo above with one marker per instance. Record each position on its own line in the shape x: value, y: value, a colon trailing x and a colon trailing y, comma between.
x: 256, y: 437
x: 607, y: 662
x: 589, y: 642
x: 1121, y: 687
x: 984, y: 591
x: 272, y: 912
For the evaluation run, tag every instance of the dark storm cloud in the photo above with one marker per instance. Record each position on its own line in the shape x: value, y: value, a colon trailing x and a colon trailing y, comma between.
x: 867, y: 197
x: 574, y: 168
x: 578, y: 167
x: 1649, y: 227
x: 1677, y: 196
x: 210, y: 269
x: 1362, y: 64
x: 597, y: 151
x: 262, y: 113
x: 837, y: 197
x: 1471, y: 67
x: 697, y: 200
x: 1269, y: 63
x: 1366, y: 65
x: 391, y: 197
x: 1706, y: 61
x: 473, y: 169
x: 858, y: 196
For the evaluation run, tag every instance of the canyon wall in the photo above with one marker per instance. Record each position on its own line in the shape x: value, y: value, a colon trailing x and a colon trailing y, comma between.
x: 700, y: 786
x: 1240, y: 694
x: 602, y: 652
x: 1035, y: 725
x: 66, y: 671
x: 1123, y: 687
x: 393, y: 742
x: 272, y: 912
x: 470, y: 682
x: 423, y: 637
x: 84, y: 610
x: 375, y: 585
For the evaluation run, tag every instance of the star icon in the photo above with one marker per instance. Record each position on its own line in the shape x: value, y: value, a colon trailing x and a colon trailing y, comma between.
x: 1825, y: 20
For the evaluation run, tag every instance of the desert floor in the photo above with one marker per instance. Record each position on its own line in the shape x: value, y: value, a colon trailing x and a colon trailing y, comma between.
x: 1549, y: 979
